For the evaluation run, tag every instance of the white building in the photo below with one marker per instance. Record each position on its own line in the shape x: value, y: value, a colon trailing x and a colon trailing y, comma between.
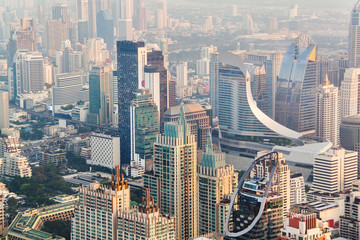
x: 152, y: 82
x: 4, y: 109
x: 203, y: 67
x: 350, y: 222
x: 105, y: 151
x: 335, y: 170
x: 13, y: 164
x: 182, y: 74
x: 354, y: 37
x: 349, y: 93
x: 297, y: 189
x: 327, y: 115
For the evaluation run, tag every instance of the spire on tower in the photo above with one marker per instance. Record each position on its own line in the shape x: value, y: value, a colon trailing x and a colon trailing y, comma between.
x: 326, y: 81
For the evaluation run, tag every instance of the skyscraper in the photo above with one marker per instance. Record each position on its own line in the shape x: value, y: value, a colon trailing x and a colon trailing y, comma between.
x: 182, y: 74
x: 349, y: 93
x: 296, y: 86
x: 101, y: 95
x: 25, y: 36
x: 160, y: 89
x: 131, y: 61
x: 145, y: 127
x: 86, y: 12
x: 105, y: 28
x: 216, y: 181
x: 327, y: 112
x: 354, y: 37
x: 56, y: 33
x: 335, y: 170
x: 4, y: 109
x: 174, y: 180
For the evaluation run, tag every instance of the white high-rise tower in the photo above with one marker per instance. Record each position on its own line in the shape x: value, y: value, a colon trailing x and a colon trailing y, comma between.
x: 354, y: 37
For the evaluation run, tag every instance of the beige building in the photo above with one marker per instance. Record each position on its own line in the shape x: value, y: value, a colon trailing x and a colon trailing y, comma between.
x: 216, y: 181
x: 174, y: 180
x: 4, y: 109
x: 145, y: 223
x: 97, y: 214
x: 327, y: 112
x: 349, y: 93
x: 13, y: 164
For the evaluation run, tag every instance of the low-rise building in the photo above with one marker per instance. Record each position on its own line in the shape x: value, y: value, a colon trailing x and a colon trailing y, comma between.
x: 55, y: 158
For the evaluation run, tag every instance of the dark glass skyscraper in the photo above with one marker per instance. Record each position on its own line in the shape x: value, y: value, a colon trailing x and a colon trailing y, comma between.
x: 105, y: 28
x: 131, y: 58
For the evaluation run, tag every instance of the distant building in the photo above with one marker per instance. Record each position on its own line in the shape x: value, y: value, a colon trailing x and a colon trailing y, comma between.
x: 101, y: 95
x: 174, y: 187
x: 105, y: 27
x: 335, y: 170
x: 56, y: 32
x: 105, y: 151
x: 197, y: 119
x: 182, y: 74
x: 349, y: 93
x: 4, y: 109
x: 107, y: 202
x: 25, y: 36
x: 145, y: 127
x: 354, y: 39
x: 13, y: 164
x: 131, y: 61
x: 327, y: 112
x: 54, y: 158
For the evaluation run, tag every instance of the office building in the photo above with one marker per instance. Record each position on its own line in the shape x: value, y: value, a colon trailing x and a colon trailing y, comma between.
x: 304, y: 225
x: 349, y: 93
x: 297, y: 189
x: 172, y: 93
x: 56, y: 33
x: 131, y: 61
x: 335, y: 170
x: 105, y: 28
x: 101, y: 95
x: 68, y: 60
x: 61, y: 12
x: 96, y: 216
x: 182, y: 74
x: 146, y: 222
x: 157, y: 80
x: 327, y: 112
x: 296, y: 86
x: 196, y: 118
x: 173, y: 186
x: 53, y: 157
x: 69, y: 89
x: 29, y: 69
x: 25, y: 35
x: 258, y: 211
x: 4, y: 109
x: 272, y: 61
x: 350, y: 222
x: 216, y: 181
x: 354, y: 38
x: 105, y: 151
x: 145, y: 127
x: 86, y: 11
x: 140, y: 17
x: 13, y: 164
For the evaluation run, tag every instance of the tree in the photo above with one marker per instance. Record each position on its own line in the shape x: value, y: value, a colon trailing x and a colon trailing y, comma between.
x: 58, y: 227
x: 12, y: 207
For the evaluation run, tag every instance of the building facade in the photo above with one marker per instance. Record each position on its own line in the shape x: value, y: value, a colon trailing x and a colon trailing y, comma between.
x: 297, y: 189
x: 349, y: 92
x: 131, y: 61
x: 105, y: 151
x: 354, y: 38
x: 13, y: 164
x: 350, y: 222
x: 173, y: 185
x: 4, y: 109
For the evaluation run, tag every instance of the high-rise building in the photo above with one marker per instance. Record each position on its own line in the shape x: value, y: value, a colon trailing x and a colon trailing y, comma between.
x: 13, y: 164
x: 172, y: 93
x: 296, y: 86
x: 196, y: 117
x: 105, y: 151
x: 105, y: 28
x: 86, y: 12
x: 335, y: 170
x: 56, y: 33
x: 4, y: 109
x: 131, y: 58
x: 68, y: 60
x: 101, y: 95
x: 29, y: 75
x: 349, y: 93
x: 216, y: 181
x: 256, y: 208
x: 350, y: 222
x: 182, y: 74
x: 69, y: 89
x: 25, y: 36
x: 146, y: 222
x: 163, y: 7
x: 173, y: 185
x: 145, y: 127
x: 354, y: 38
x: 140, y: 17
x: 297, y: 189
x: 327, y: 112
x: 96, y: 216
x: 157, y: 80
x: 272, y: 25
